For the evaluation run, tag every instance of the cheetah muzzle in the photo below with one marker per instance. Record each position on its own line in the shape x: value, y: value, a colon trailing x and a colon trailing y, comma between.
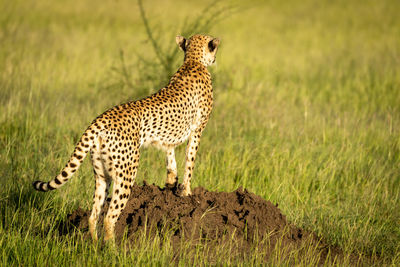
x: 176, y: 113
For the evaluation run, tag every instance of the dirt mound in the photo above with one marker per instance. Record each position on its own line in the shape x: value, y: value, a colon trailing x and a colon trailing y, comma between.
x: 240, y: 218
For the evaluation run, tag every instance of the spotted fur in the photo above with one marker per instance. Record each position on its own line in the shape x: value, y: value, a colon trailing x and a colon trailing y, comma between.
x: 176, y: 113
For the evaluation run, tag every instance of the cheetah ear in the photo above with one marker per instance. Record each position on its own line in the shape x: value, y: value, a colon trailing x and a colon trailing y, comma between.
x: 181, y: 41
x: 213, y: 44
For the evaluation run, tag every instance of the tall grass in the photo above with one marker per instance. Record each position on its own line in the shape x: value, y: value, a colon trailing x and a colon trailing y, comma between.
x: 306, y: 115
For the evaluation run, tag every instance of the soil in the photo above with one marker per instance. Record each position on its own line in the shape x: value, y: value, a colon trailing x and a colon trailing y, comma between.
x: 239, y: 220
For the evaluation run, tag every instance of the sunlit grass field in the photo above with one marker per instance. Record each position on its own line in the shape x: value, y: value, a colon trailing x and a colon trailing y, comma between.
x: 306, y: 114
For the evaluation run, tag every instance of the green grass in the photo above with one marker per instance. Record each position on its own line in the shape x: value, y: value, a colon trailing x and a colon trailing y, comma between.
x: 307, y: 115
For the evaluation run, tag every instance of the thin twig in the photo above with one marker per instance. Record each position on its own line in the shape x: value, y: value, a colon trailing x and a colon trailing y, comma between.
x: 155, y: 45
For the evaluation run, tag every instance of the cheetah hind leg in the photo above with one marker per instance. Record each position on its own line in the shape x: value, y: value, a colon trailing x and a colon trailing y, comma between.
x: 100, y: 194
x: 124, y: 179
x: 102, y: 184
x: 172, y: 173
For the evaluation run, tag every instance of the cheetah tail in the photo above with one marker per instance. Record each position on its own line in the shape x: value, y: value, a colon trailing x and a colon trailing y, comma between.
x: 81, y: 150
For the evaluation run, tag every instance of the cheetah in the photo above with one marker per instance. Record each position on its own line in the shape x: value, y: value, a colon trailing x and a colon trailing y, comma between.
x: 166, y: 119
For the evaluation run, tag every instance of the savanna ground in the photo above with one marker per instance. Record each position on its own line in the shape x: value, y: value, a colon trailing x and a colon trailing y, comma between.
x: 307, y: 115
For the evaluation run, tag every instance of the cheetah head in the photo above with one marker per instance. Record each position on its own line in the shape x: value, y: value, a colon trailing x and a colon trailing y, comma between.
x: 200, y: 48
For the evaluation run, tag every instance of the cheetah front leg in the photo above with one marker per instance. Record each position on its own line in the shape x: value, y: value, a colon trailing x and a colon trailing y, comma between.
x: 191, y: 150
x: 172, y: 173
